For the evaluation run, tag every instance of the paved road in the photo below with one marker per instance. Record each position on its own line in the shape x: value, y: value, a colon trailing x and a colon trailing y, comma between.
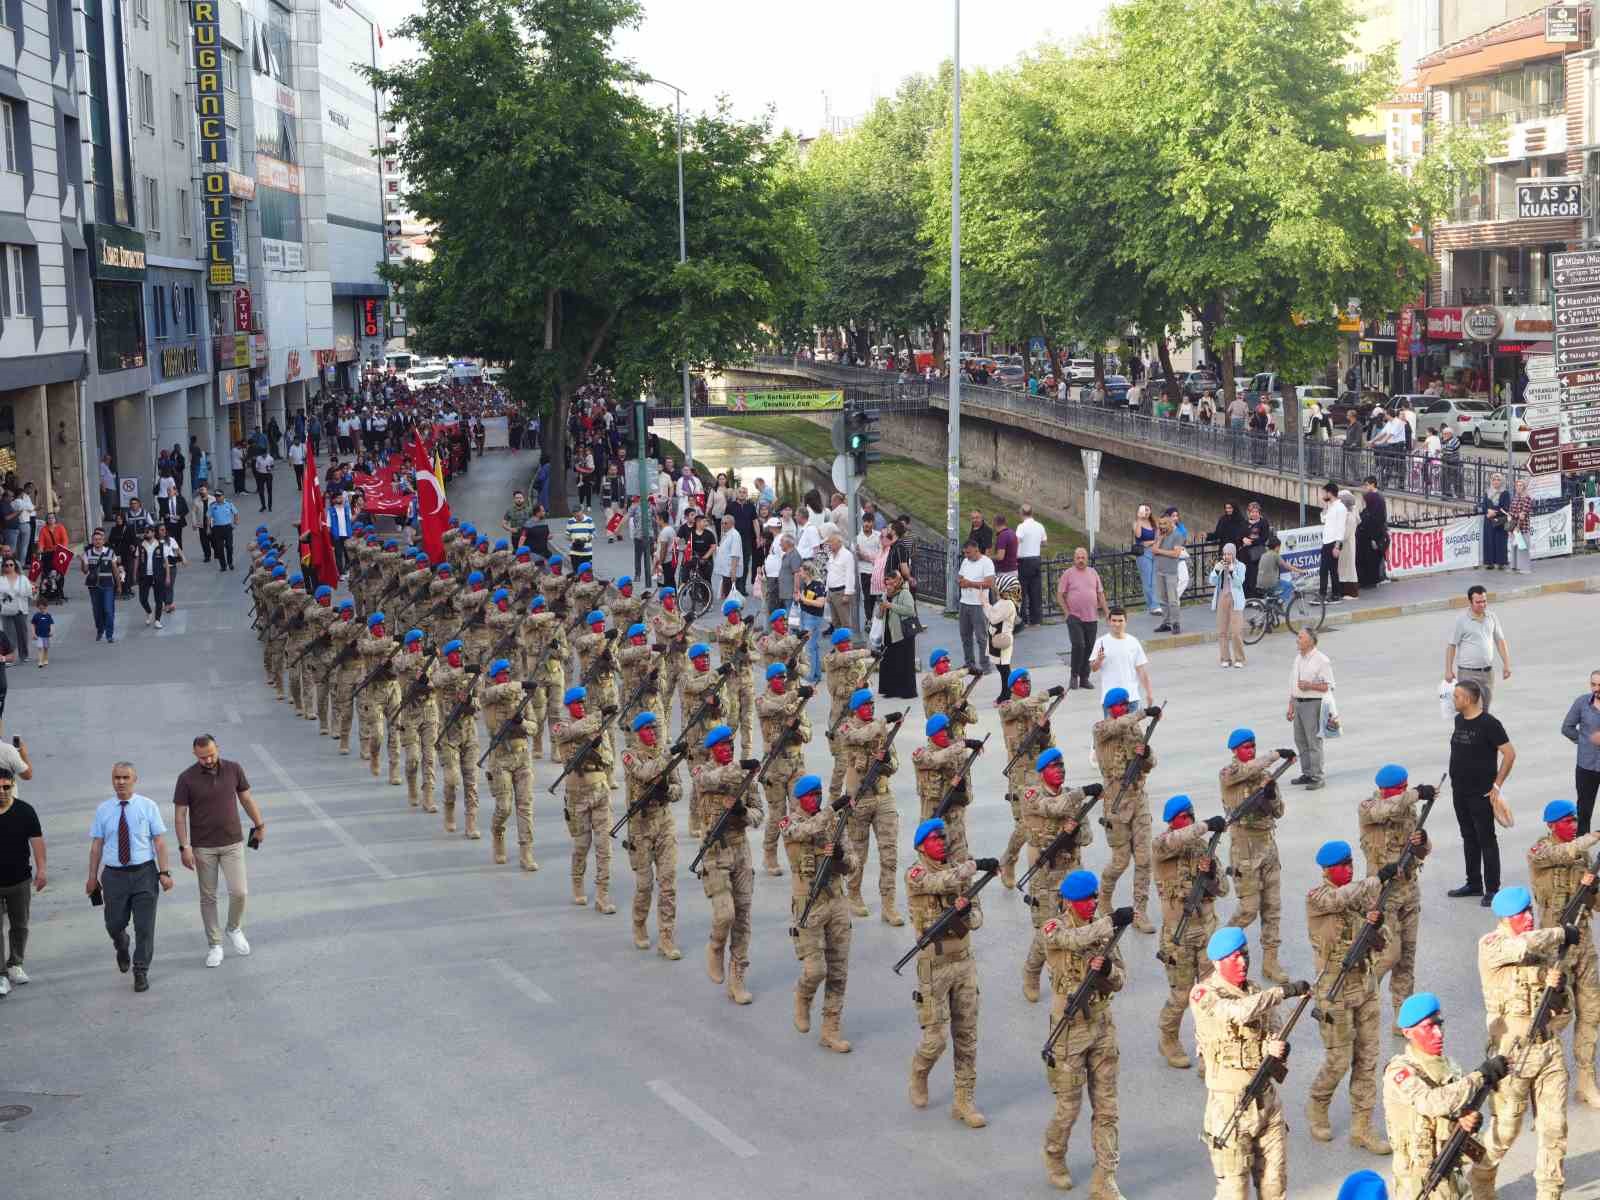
x: 415, y: 1022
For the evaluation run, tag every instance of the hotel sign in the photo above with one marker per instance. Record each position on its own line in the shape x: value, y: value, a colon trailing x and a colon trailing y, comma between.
x: 215, y: 182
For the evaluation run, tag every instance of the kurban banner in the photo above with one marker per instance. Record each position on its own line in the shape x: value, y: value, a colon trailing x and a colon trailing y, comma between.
x: 785, y: 400
x: 1441, y: 548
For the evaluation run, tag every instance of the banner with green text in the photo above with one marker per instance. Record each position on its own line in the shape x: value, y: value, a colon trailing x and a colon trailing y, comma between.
x: 784, y: 400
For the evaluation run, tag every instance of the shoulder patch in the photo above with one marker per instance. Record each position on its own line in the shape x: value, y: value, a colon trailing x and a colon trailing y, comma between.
x: 1050, y: 926
x: 1402, y: 1074
x: 627, y: 757
x: 784, y: 823
x: 917, y: 753
x: 1030, y: 792
x: 696, y: 771
x: 916, y: 872
x: 1197, y: 992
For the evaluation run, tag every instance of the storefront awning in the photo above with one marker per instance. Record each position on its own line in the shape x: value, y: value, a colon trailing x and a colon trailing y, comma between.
x: 10, y: 86
x: 1518, y: 40
x: 15, y: 230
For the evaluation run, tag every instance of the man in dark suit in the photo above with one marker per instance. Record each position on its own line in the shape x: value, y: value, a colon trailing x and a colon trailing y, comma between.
x: 174, y: 511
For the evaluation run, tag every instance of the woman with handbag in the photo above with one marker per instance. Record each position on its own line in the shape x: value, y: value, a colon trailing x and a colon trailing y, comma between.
x: 16, y: 601
x: 1000, y: 612
x: 897, y: 674
x: 1495, y: 504
x: 1519, y: 529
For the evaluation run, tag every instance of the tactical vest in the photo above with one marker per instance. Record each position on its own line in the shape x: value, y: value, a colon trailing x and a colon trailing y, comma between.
x: 1175, y: 876
x: 717, y: 784
x: 805, y: 854
x: 774, y: 720
x: 928, y: 907
x: 1238, y: 780
x: 1040, y: 830
x: 1513, y: 997
x: 1331, y: 935
x: 1224, y: 1043
x: 1554, y: 887
x: 1417, y: 1139
x: 499, y: 702
x: 1385, y: 843
x: 1067, y: 971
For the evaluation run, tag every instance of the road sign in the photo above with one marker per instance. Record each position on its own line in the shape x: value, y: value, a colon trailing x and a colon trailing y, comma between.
x: 1540, y: 414
x: 1577, y: 299
x: 1091, y: 463
x: 1575, y: 378
x: 1542, y: 462
x: 1580, y: 315
x: 1581, y: 458
x: 1577, y: 348
x: 1574, y: 260
x: 1577, y: 277
x: 1542, y: 391
x: 1546, y: 437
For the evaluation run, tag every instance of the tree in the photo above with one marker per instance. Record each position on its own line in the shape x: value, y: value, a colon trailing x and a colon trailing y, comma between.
x: 552, y: 189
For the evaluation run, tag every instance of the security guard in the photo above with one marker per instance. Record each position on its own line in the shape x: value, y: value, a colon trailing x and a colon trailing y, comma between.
x: 1425, y: 1099
x: 726, y: 871
x: 947, y: 974
x: 1119, y: 740
x: 733, y: 644
x: 510, y: 771
x: 1558, y: 865
x: 783, y: 715
x: 1021, y: 713
x: 1253, y: 847
x: 651, y: 840
x: 823, y: 946
x: 845, y: 671
x: 588, y: 797
x: 1180, y: 858
x: 458, y: 738
x: 1335, y: 911
x: 1050, y: 809
x: 416, y: 721
x: 941, y: 690
x: 1388, y: 825
x: 938, y: 764
x: 1086, y: 1054
x: 864, y: 737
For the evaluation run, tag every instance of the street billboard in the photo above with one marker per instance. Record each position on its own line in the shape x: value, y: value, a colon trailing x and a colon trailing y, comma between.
x: 785, y: 400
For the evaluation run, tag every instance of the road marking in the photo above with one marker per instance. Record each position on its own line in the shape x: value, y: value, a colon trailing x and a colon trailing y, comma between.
x: 316, y: 810
x: 521, y: 982
x: 673, y: 1098
x: 232, y: 714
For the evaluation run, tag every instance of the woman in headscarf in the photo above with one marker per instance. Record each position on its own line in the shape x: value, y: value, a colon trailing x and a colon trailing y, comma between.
x: 897, y: 675
x: 1348, y: 577
x: 1227, y: 601
x: 1000, y: 611
x: 1230, y: 526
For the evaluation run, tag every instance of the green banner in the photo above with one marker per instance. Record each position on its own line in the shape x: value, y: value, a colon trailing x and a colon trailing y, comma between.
x: 784, y: 400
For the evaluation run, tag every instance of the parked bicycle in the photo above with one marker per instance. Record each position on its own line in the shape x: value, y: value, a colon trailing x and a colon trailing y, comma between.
x: 1306, y: 608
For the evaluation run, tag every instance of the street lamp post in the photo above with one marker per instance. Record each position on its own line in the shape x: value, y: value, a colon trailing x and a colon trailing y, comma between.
x: 952, y: 502
x: 683, y: 257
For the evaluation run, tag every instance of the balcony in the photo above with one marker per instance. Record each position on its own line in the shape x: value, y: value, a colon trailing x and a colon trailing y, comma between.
x: 1464, y: 297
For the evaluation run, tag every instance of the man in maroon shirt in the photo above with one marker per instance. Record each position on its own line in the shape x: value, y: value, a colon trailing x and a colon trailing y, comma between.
x: 206, y: 805
x: 1005, y: 546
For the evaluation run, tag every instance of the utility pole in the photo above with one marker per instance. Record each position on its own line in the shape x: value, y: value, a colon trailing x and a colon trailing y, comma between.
x: 952, y: 502
x: 641, y: 428
x: 683, y: 257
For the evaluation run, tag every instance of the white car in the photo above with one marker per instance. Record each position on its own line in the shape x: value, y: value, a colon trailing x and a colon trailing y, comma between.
x: 1080, y: 370
x: 1492, y: 428
x: 1466, y: 416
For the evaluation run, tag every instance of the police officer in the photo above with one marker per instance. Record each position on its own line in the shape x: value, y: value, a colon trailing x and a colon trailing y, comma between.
x: 1253, y: 847
x: 1022, y: 714
x: 1236, y: 1025
x: 864, y: 737
x: 1558, y: 865
x: 726, y: 871
x: 1119, y: 740
x: 845, y: 671
x: 1181, y: 856
x: 783, y: 715
x: 1425, y: 1099
x: 733, y: 644
x: 1516, y: 962
x: 947, y: 974
x: 588, y: 797
x: 823, y: 946
x: 510, y: 771
x: 458, y: 736
x: 1388, y: 826
x: 376, y: 653
x: 941, y: 690
x: 1086, y: 1054
x: 651, y: 841
x: 1050, y: 809
x: 938, y: 765
x: 1335, y: 913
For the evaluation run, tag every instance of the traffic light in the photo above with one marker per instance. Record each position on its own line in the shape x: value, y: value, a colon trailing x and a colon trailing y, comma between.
x: 862, y: 427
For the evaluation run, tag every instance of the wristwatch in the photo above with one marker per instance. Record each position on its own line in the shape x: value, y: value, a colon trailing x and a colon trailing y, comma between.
x: 168, y: 874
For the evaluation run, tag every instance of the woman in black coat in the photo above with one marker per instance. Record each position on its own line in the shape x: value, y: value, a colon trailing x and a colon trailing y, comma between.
x: 1230, y: 526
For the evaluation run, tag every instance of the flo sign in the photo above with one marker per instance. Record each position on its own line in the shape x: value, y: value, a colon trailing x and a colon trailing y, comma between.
x: 1545, y: 199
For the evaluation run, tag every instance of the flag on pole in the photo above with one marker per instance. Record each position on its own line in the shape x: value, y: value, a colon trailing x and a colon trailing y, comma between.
x: 433, y: 513
x: 316, y: 542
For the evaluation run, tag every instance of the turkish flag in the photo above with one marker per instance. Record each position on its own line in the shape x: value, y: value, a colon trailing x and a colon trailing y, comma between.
x: 316, y: 543
x: 433, y: 513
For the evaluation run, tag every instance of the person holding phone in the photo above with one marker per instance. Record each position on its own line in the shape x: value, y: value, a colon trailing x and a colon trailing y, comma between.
x: 206, y: 803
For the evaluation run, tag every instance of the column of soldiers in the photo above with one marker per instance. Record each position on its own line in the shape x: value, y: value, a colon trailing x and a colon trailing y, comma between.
x: 512, y: 664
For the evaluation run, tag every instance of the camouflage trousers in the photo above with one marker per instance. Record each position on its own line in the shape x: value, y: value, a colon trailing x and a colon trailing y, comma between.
x: 785, y: 770
x: 652, y: 847
x: 1186, y: 965
x: 1016, y: 783
x: 1257, y: 1152
x: 728, y: 877
x: 1253, y: 864
x: 1086, y: 1059
x: 458, y: 763
x: 742, y: 718
x: 947, y: 1007
x: 1540, y: 1084
x: 511, y: 785
x: 1128, y: 835
x: 588, y: 813
x: 1043, y: 890
x: 374, y: 723
x: 1351, y: 1033
x: 1399, y: 958
x: 344, y: 683
x: 874, y: 815
x: 416, y: 739
x: 823, y: 948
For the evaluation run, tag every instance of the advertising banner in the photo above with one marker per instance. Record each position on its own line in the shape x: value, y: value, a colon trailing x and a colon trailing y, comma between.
x: 785, y: 400
x: 1550, y: 534
x: 1441, y: 548
x: 1591, y: 518
x: 1301, y: 548
x: 496, y: 433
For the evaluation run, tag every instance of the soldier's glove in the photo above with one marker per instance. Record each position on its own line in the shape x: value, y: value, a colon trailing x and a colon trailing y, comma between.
x: 475, y: 669
x: 1287, y: 755
x: 1153, y: 710
x: 1572, y: 933
x: 611, y: 634
x: 973, y: 743
x: 988, y: 864
x: 974, y: 672
x: 1388, y: 871
x: 1093, y: 789
x: 1426, y: 791
x: 806, y: 691
x: 724, y: 668
x: 1122, y: 918
x: 1216, y: 824
x: 679, y: 746
x: 842, y: 803
x: 659, y: 649
x: 528, y: 685
x: 1056, y: 692
x: 610, y: 710
x: 749, y: 764
x: 1494, y: 1069
x: 1298, y: 987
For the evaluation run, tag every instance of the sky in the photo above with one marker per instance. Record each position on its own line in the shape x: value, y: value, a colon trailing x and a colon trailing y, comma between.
x: 827, y: 55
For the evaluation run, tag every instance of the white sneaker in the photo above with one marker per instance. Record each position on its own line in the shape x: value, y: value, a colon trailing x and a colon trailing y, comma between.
x: 1155, y: 612
x: 158, y: 624
x: 236, y: 940
x: 214, y: 956
x: 5, y: 986
x: 18, y: 975
x: 148, y: 618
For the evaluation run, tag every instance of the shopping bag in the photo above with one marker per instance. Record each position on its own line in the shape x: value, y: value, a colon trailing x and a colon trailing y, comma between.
x: 875, y: 633
x: 1447, y: 704
x: 1503, y: 815
x: 1331, y: 728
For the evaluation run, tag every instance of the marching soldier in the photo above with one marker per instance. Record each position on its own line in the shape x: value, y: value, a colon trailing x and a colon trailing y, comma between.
x: 625, y: 607
x: 726, y: 871
x: 1086, y: 1055
x: 1236, y: 1025
x: 554, y: 585
x: 461, y: 548
x: 478, y: 560
x: 941, y: 690
x: 501, y: 622
x: 1181, y: 858
x: 1335, y: 911
x: 1424, y: 1095
x: 341, y: 679
x: 1516, y: 962
x: 778, y: 645
x: 701, y: 685
x: 416, y: 723
x: 544, y: 656
x: 863, y: 738
x: 586, y: 591
x: 1118, y: 739
x: 733, y: 644
x: 458, y: 736
x: 1049, y: 809
x: 938, y: 765
x: 588, y: 798
x: 296, y: 634
x: 416, y: 585
x: 845, y: 671
x: 274, y: 596
x: 1021, y: 714
x: 1253, y: 847
x: 823, y: 946
x: 671, y: 631
x: 597, y: 673
x: 510, y: 770
x: 379, y: 697
x: 1558, y: 866
x: 1388, y: 825
x: 316, y: 663
x: 442, y: 590
x: 499, y: 569
x: 783, y: 715
x: 651, y: 840
x: 448, y: 538
x: 318, y: 617
x: 523, y: 577
x: 472, y: 610
x: 947, y: 974
x: 639, y: 665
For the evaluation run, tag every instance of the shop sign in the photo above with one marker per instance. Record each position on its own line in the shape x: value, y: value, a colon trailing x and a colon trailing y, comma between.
x: 118, y: 252
x: 371, y: 316
x: 178, y: 361
x: 241, y: 186
x: 259, y: 350
x: 1382, y: 330
x: 325, y: 358
x: 292, y: 365
x: 1364, y: 347
x: 233, y: 387
x: 216, y: 187
x: 1481, y: 324
x: 1544, y: 199
x: 263, y: 389
x: 1444, y: 324
x: 1563, y: 24
x: 241, y: 310
x: 1404, y: 331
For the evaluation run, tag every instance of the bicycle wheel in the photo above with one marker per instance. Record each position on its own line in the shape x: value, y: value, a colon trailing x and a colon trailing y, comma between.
x: 699, y: 597
x: 1306, y: 610
x: 1257, y: 621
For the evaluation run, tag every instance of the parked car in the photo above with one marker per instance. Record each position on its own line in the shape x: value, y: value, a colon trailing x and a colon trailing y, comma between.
x: 1198, y: 383
x: 1316, y: 393
x: 1010, y: 375
x: 1465, y: 415
x: 1080, y: 370
x: 1492, y: 428
x: 1116, y: 390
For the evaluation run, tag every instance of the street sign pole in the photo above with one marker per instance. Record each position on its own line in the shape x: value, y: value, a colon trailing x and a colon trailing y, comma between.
x: 639, y: 407
x: 1091, y: 494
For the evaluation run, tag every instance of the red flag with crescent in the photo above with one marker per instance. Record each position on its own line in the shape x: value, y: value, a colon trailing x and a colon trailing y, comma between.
x: 433, y: 513
x: 316, y: 543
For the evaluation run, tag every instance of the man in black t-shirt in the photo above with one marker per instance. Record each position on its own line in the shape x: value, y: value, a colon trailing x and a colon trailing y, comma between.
x: 20, y: 836
x: 1481, y: 756
x: 702, y: 546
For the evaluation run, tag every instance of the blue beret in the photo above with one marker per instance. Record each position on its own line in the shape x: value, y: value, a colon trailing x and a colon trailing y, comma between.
x: 278, y: 572
x: 455, y: 522
x: 936, y: 724
x: 663, y: 593
x: 1046, y: 757
x: 643, y: 719
x: 555, y: 560
x: 261, y: 529
x: 807, y: 784
x: 1239, y: 737
x: 1228, y: 940
x: 595, y: 617
x: 777, y: 671
x: 859, y: 697
x: 936, y: 655
x: 323, y: 590
x: 718, y: 735
x: 574, y: 694
x: 1176, y: 805
x: 698, y: 649
x: 1391, y: 775
x: 375, y: 619
x: 1558, y: 810
x: 297, y: 579
x: 500, y: 594
x: 346, y: 603
x: 443, y: 568
x: 1331, y: 854
x: 840, y: 636
x: 1364, y: 1185
x: 1417, y: 1009
x: 536, y: 604
x: 781, y: 614
x: 1079, y: 885
x: 469, y: 528
x: 1114, y: 697
x: 731, y: 606
x: 412, y: 635
x: 1018, y: 674
x: 623, y: 582
x: 474, y: 577
x: 498, y: 665
x: 931, y: 825
x: 483, y: 540
x: 637, y: 629
x: 502, y: 544
x: 453, y: 646
x: 1508, y: 902
x: 391, y: 544
x: 524, y: 551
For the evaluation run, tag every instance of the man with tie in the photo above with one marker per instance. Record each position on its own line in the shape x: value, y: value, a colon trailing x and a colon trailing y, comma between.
x: 173, y: 511
x: 127, y: 839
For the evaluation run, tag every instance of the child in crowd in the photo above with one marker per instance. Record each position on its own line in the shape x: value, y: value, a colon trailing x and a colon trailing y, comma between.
x: 42, y: 624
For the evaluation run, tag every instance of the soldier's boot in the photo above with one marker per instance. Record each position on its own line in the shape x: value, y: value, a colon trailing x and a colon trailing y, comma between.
x: 372, y: 749
x: 1588, y: 1093
x: 471, y: 830
x: 891, y: 915
x: 1055, y: 1167
x: 525, y: 856
x: 802, y: 1011
x: 428, y: 805
x: 1171, y: 1049
x: 602, y: 901
x: 394, y: 775
x: 411, y: 787
x: 449, y: 810
x: 1103, y: 1185
x: 771, y: 862
x: 499, y: 836
x: 1030, y: 983
x: 919, y: 1083
x: 714, y: 967
x: 1271, y: 968
x: 666, y: 947
x: 858, y: 907
x: 344, y: 742
x: 1142, y: 924
x: 963, y: 1109
x: 641, y: 936
x: 1363, y: 1135
x: 1317, y: 1119
x: 579, y: 896
x: 831, y: 1038
x: 737, y: 992
x: 1480, y: 1181
x: 1008, y: 873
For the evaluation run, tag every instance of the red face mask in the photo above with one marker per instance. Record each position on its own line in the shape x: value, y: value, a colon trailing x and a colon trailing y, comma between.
x: 584, y: 576
x: 842, y: 648
x: 647, y: 735
x: 776, y: 685
x: 733, y: 618
x: 625, y: 590
x: 555, y: 568
x: 941, y: 739
x: 1021, y: 688
x: 376, y: 630
x: 636, y: 640
x: 780, y: 628
x: 1391, y: 793
x: 812, y: 801
x: 703, y: 663
x: 942, y: 667
x: 933, y: 847
x: 598, y: 627
x: 669, y: 603
x: 503, y: 605
x: 1118, y: 710
x: 1055, y: 775
x: 415, y: 647
x: 1522, y: 922
x: 723, y: 753
x: 453, y: 658
x: 327, y: 602
x: 1246, y: 753
x: 1235, y: 967
x: 575, y: 710
x: 1565, y: 829
x: 502, y: 677
x: 1083, y: 908
x: 1341, y: 874
x: 1427, y: 1037
x: 478, y: 587
x: 864, y: 713
x: 1182, y: 821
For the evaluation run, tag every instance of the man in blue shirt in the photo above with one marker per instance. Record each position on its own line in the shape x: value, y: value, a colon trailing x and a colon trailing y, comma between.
x: 127, y: 840
x: 224, y: 516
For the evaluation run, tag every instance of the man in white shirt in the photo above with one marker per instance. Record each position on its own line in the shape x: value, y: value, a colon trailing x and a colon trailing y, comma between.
x: 1061, y: 390
x: 841, y: 581
x: 108, y: 487
x: 1031, y: 537
x: 297, y: 460
x: 728, y: 562
x: 1334, y: 516
x: 974, y: 580
x: 263, y: 471
x: 1119, y: 659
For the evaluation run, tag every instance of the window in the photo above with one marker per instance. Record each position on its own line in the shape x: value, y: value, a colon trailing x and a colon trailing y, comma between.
x: 152, y: 206
x: 16, y: 299
x: 158, y: 312
x: 180, y: 119
x: 230, y: 70
x: 147, y: 100
x: 185, y: 216
x: 8, y: 118
x: 141, y: 12
x: 119, y: 325
x: 188, y: 310
x: 177, y: 22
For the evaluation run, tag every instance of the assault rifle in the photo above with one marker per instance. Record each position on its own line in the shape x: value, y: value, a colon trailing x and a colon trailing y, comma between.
x: 417, y: 687
x: 659, y: 787
x: 834, y: 728
x: 387, y: 665
x: 1272, y: 1070
x: 947, y: 919
x: 958, y: 786
x: 588, y: 747
x: 1079, y: 999
x: 476, y: 618
x: 829, y: 863
x: 315, y: 642
x: 705, y: 705
x: 1038, y: 731
x: 787, y: 732
x: 340, y: 659
x: 600, y: 659
x: 377, y: 605
x: 530, y: 689
x: 1059, y: 843
x: 1460, y: 1143
x: 460, y: 707
x: 716, y: 832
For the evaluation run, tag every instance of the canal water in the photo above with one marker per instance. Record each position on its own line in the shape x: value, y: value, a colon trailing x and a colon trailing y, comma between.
x: 723, y: 450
